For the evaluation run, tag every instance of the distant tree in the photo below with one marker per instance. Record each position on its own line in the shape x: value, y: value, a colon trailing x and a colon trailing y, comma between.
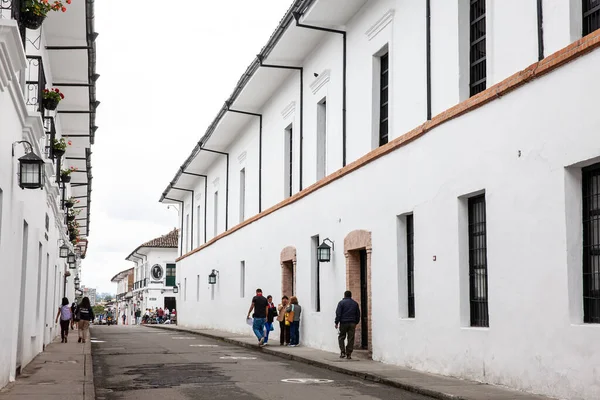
x: 108, y: 298
x: 98, y: 310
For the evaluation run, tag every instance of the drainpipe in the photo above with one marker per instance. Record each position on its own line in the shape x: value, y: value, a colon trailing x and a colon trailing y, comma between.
x: 301, y: 69
x: 181, y: 229
x: 205, y: 197
x: 297, y: 16
x: 428, y: 39
x: 260, y: 132
x: 192, y: 225
x: 540, y: 29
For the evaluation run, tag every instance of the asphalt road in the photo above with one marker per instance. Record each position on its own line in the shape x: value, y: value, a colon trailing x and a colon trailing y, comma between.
x: 151, y: 364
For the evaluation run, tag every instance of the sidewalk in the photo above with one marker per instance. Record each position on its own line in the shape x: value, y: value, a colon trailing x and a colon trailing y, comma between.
x: 436, y: 386
x: 62, y: 372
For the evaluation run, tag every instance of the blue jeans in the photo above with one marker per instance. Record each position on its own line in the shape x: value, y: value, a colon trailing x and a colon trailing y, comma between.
x: 258, y: 326
x: 295, y: 333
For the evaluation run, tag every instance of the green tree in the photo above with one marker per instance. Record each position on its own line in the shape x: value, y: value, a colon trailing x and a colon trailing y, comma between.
x: 98, y: 310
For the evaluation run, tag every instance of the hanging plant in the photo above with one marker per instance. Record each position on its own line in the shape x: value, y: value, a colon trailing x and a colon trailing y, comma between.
x: 34, y: 12
x: 51, y: 98
x: 69, y: 203
x: 59, y: 147
x: 65, y: 174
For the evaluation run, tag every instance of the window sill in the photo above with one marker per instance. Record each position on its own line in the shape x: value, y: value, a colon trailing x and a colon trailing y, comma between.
x: 475, y: 328
x: 586, y: 325
x: 407, y: 319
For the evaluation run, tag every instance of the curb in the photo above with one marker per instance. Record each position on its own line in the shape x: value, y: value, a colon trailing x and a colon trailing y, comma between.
x: 367, y: 376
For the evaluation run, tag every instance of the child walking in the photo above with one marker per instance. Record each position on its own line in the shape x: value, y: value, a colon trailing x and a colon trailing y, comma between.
x: 64, y: 312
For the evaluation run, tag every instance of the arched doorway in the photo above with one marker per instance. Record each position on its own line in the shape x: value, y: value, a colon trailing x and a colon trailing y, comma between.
x: 288, y: 271
x: 357, y: 249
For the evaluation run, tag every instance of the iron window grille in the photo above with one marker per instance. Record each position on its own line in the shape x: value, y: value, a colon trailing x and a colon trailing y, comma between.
x: 477, y: 54
x: 170, y: 280
x: 478, y: 282
x: 591, y: 16
x: 591, y: 244
x: 383, y: 99
x: 410, y: 265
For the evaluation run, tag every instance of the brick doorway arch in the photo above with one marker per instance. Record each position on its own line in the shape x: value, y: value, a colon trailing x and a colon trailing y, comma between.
x: 288, y: 271
x: 357, y: 249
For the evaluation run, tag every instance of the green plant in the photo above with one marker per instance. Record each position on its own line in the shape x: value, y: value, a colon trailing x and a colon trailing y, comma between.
x: 67, y: 172
x: 43, y: 7
x: 53, y: 94
x: 61, y: 144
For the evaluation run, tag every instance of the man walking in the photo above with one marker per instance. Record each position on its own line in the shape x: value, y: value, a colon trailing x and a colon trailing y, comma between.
x: 138, y: 316
x: 260, y: 306
x: 347, y: 316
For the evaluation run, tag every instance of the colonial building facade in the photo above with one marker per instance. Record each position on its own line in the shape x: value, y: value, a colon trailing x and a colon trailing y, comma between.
x: 124, y: 299
x: 154, y: 272
x: 449, y: 154
x: 45, y: 169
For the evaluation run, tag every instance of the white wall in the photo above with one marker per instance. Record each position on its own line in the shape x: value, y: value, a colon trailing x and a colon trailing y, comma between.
x: 516, y: 149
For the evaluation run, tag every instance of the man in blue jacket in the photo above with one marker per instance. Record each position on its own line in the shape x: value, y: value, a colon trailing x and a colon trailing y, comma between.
x: 347, y: 316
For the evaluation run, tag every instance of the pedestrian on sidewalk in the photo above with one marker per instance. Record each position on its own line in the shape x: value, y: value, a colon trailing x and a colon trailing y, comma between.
x: 86, y: 314
x: 271, y: 314
x: 64, y: 312
x: 124, y: 317
x: 167, y: 314
x: 260, y: 307
x: 284, y: 335
x: 295, y: 310
x: 347, y: 316
x: 138, y: 316
x: 161, y: 314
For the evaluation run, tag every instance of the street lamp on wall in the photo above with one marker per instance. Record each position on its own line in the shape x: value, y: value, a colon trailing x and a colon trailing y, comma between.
x: 324, y: 251
x: 212, y: 278
x: 71, y: 258
x: 63, y: 251
x: 76, y: 281
x: 31, y: 168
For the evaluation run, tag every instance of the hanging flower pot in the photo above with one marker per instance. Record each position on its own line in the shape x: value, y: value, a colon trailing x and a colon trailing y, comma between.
x: 59, y: 147
x: 72, y: 236
x: 65, y: 178
x: 70, y: 218
x: 69, y: 204
x: 50, y: 104
x: 31, y: 20
x: 65, y: 174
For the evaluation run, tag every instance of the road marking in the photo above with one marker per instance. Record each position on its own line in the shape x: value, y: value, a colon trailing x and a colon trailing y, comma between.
x: 306, y: 380
x: 97, y: 341
x: 183, y: 337
x: 204, y: 345
x: 237, y: 358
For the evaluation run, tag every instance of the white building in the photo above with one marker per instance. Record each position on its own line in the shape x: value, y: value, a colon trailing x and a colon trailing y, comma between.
x: 124, y: 299
x: 91, y: 294
x: 154, y: 272
x: 462, y: 201
x: 33, y: 223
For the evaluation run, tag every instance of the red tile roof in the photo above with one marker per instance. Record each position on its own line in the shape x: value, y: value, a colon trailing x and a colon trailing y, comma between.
x: 169, y: 240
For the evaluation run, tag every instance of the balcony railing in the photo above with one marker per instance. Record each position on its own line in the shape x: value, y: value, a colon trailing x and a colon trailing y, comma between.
x: 10, y: 9
x: 50, y: 128
x: 35, y: 83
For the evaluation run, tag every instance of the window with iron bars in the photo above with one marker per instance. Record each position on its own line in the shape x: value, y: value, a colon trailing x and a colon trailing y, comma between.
x: 410, y: 264
x: 478, y: 282
x: 383, y: 99
x: 170, y: 281
x: 477, y: 55
x: 591, y: 244
x: 591, y: 16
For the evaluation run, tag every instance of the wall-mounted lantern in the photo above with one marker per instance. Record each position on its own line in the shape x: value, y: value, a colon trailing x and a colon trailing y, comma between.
x: 324, y: 251
x: 71, y: 258
x: 31, y: 168
x: 212, y: 278
x: 76, y: 281
x: 63, y: 251
x: 176, y: 288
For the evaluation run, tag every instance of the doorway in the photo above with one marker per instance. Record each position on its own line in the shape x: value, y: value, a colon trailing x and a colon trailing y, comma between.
x: 287, y: 279
x: 364, y: 301
x: 170, y: 303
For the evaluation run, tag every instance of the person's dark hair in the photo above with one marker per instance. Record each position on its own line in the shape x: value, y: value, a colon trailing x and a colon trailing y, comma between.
x: 259, y: 290
x: 285, y: 297
x: 85, y: 303
x: 347, y: 294
x: 65, y: 301
x: 269, y: 297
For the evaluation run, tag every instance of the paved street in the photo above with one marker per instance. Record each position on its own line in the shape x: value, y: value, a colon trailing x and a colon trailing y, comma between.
x: 143, y: 363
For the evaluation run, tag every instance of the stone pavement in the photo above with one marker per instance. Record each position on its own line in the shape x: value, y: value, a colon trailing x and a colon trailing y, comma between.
x: 62, y: 372
x: 436, y: 386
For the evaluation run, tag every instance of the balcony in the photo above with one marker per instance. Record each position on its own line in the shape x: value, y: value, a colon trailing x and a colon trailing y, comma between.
x: 10, y: 9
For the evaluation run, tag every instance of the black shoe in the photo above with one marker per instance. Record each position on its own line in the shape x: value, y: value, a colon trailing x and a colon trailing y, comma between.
x: 79, y: 341
x: 349, y: 357
x: 65, y: 340
x: 62, y: 340
x: 342, y: 355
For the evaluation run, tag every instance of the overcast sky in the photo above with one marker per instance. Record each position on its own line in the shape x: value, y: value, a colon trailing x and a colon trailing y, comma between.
x: 165, y: 73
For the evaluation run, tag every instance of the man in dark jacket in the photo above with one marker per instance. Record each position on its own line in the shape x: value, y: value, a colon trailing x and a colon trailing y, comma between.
x: 347, y: 316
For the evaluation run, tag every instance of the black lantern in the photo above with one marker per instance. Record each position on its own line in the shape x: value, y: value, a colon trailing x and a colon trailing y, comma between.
x: 71, y: 258
x: 324, y: 251
x: 212, y: 278
x: 72, y: 265
x: 76, y: 281
x: 31, y: 169
x: 175, y: 289
x: 63, y: 251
